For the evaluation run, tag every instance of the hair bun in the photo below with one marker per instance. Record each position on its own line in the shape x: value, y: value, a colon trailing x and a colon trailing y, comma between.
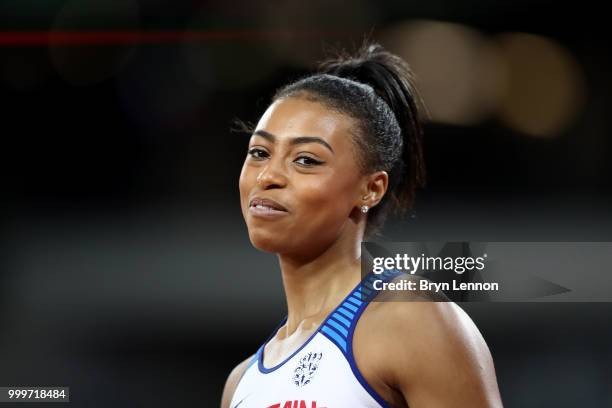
x: 371, y: 64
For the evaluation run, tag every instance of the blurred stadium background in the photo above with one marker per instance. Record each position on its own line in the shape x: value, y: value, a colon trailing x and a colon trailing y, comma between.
x: 127, y: 273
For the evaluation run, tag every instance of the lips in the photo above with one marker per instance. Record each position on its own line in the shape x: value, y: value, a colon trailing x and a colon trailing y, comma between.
x: 266, y: 203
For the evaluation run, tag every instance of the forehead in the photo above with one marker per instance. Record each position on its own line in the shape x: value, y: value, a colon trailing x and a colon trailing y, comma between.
x: 294, y: 116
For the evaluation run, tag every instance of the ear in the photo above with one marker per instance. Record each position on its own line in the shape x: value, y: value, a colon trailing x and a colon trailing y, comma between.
x: 374, y: 188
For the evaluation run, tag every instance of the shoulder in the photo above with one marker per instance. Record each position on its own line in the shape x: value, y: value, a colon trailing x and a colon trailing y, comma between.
x: 431, y: 351
x: 232, y: 382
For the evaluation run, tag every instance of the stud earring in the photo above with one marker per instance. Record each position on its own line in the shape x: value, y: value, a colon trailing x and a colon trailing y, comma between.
x: 364, y: 209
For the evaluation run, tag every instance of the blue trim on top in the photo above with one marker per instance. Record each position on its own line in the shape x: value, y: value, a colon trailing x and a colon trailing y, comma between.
x: 354, y: 300
x: 347, y: 313
x: 338, y: 327
x: 343, y: 338
x: 260, y: 352
x: 341, y: 319
x: 349, y: 306
x: 336, y: 337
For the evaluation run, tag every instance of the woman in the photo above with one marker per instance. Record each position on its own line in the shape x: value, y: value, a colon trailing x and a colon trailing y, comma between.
x: 332, y: 155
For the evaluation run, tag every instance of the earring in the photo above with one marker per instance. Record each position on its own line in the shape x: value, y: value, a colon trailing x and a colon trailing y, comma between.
x: 364, y: 209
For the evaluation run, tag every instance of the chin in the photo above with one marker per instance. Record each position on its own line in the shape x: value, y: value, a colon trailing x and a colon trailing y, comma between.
x: 267, y: 241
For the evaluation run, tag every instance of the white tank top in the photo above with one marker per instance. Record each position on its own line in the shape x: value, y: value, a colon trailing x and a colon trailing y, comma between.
x: 321, y: 373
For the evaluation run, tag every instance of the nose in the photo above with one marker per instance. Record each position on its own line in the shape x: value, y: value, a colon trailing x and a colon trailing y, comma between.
x: 272, y: 175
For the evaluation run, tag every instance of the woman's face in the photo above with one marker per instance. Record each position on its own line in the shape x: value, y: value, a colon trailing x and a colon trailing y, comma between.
x: 302, y: 158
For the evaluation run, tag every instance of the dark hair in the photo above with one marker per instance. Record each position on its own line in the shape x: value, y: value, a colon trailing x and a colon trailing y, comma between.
x: 376, y: 88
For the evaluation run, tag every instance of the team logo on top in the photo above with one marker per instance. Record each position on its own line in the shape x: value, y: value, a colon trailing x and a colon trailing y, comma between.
x: 306, y: 369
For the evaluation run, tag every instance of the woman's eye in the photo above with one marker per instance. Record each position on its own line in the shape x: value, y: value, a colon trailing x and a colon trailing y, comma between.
x: 258, y: 154
x: 307, y: 161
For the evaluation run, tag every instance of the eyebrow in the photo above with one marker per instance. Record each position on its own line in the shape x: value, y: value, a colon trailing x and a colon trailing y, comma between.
x: 294, y: 141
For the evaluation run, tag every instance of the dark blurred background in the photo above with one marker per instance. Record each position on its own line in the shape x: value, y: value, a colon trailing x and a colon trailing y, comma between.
x: 127, y: 272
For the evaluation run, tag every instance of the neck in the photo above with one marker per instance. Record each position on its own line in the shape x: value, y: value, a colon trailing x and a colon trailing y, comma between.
x: 313, y: 287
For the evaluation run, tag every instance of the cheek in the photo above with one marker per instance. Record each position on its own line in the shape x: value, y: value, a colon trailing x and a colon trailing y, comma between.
x: 325, y: 202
